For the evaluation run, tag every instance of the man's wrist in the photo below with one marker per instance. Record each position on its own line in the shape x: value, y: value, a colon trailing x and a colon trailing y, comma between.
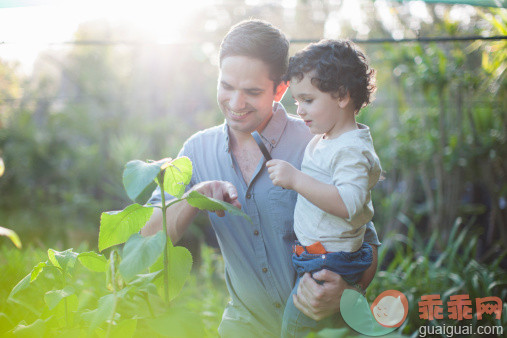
x: 359, y: 288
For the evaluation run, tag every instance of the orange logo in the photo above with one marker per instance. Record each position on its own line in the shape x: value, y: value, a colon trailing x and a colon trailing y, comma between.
x: 390, y: 308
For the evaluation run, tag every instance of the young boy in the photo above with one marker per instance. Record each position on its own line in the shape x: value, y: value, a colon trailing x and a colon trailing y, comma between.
x: 330, y: 81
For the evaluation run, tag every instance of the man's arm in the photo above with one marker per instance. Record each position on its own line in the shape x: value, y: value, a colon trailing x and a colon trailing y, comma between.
x: 180, y: 215
x: 320, y: 301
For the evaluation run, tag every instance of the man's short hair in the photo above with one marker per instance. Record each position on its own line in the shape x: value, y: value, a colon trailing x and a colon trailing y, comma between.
x: 337, y: 67
x: 259, y: 40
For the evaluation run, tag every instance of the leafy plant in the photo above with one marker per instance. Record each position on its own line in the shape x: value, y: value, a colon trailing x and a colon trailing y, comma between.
x: 142, y: 277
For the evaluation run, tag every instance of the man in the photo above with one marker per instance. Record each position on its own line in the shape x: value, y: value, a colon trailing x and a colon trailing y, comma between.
x: 229, y: 166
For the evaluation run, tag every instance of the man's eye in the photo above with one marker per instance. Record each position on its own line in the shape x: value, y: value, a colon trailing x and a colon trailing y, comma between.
x: 254, y: 93
x: 308, y: 101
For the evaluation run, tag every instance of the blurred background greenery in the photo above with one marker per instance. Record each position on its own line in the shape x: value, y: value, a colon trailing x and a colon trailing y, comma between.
x: 70, y: 124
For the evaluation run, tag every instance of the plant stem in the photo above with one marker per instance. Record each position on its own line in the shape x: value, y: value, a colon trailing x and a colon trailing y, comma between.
x: 167, y: 239
x: 113, y: 282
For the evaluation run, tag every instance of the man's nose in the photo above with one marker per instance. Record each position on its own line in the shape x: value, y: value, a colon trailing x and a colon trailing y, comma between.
x: 237, y: 101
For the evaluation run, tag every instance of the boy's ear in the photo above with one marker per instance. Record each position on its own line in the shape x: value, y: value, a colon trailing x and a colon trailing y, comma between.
x: 281, y: 90
x: 344, y: 100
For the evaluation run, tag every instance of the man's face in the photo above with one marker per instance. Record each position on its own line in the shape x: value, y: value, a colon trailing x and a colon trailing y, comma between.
x: 245, y: 93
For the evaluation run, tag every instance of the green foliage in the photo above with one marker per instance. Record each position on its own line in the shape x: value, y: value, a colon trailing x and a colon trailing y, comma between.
x: 117, y: 226
x: 93, y: 261
x: 202, y: 202
x: 130, y: 301
x: 139, y: 253
x: 415, y: 267
x: 139, y: 179
x: 177, y: 176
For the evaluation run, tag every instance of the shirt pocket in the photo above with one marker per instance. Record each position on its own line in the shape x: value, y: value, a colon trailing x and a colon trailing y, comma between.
x: 281, y: 206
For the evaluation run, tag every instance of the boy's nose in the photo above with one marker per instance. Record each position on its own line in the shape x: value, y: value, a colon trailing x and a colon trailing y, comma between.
x: 300, y: 111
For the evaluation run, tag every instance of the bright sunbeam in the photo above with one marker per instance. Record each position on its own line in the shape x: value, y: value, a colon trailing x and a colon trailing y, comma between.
x: 25, y: 31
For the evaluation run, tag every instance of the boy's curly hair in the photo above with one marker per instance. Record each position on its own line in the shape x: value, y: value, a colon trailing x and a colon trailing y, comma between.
x: 339, y: 67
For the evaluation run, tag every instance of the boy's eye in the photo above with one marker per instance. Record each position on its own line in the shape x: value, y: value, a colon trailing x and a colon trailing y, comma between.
x: 308, y: 101
x: 254, y: 93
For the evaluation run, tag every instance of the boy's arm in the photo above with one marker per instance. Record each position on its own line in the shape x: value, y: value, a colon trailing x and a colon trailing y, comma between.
x: 325, y: 196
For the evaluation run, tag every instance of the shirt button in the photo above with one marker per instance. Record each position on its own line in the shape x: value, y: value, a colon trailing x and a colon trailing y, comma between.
x: 256, y: 233
x: 278, y: 305
x: 248, y: 196
x: 264, y: 270
x: 273, y: 141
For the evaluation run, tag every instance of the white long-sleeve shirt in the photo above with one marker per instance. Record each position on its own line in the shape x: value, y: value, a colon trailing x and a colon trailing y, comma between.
x: 350, y: 163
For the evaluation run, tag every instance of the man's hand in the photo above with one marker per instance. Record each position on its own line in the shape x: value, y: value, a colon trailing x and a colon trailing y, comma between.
x: 282, y: 173
x: 320, y: 301
x: 220, y: 190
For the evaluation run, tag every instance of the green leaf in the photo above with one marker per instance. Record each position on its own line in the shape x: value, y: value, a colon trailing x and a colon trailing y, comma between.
x: 102, y: 313
x: 140, y: 253
x: 177, y: 176
x: 52, y: 298
x: 142, y: 280
x: 139, y: 179
x: 177, y: 323
x: 10, y: 234
x: 202, y: 202
x: 180, y: 264
x: 64, y: 260
x: 37, y: 270
x: 117, y: 226
x: 22, y: 284
x: 93, y: 261
x: 36, y: 329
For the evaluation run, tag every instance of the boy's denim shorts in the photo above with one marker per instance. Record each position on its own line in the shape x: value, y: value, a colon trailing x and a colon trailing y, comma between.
x: 350, y: 265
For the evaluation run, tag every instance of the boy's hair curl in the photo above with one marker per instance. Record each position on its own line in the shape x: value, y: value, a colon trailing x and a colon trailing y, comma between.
x: 337, y: 67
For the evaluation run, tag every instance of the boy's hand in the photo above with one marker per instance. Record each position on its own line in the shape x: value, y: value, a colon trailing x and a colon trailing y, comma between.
x: 282, y: 173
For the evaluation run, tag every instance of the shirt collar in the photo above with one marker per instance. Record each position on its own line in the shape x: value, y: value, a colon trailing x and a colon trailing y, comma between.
x: 273, y: 130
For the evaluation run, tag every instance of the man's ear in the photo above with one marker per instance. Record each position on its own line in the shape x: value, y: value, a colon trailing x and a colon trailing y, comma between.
x: 280, y: 91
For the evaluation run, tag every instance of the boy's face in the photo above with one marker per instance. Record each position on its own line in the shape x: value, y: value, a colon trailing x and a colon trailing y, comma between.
x: 245, y: 93
x: 321, y: 112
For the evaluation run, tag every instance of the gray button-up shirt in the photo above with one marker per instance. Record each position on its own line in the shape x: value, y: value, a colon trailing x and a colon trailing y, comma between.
x: 258, y: 267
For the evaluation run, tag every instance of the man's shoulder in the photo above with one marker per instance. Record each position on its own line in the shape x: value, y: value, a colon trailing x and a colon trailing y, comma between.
x: 296, y: 125
x: 206, y: 135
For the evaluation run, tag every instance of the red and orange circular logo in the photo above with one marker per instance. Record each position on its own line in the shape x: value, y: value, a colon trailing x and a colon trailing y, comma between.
x: 390, y: 308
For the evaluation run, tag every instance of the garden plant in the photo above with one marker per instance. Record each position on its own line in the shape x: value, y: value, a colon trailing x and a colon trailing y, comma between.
x: 143, y: 275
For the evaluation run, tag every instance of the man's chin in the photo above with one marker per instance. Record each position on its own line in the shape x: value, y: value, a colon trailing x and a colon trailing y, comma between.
x: 240, y: 126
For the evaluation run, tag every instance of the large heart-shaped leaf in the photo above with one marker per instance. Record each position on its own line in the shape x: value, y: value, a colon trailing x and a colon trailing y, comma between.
x: 139, y: 179
x: 177, y: 176
x: 93, y: 261
x: 202, y: 202
x: 140, y: 253
x: 180, y: 264
x: 117, y: 226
